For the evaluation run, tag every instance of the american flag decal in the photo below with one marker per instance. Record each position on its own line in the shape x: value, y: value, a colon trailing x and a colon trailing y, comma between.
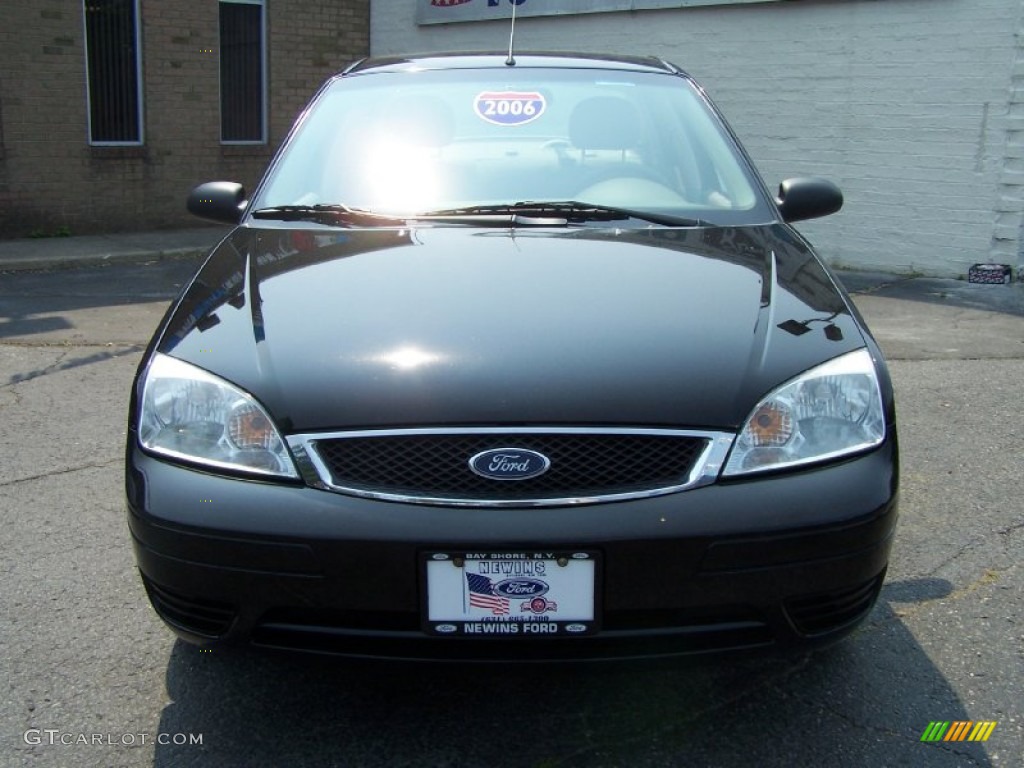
x: 482, y: 595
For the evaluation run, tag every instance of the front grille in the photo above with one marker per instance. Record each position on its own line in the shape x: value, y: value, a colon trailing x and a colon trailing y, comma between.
x: 584, y: 465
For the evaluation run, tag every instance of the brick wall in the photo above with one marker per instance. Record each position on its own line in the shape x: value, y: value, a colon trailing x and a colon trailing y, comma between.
x: 51, y: 179
x: 915, y: 107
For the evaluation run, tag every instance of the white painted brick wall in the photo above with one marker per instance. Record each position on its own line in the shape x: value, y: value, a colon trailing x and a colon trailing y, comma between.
x: 914, y: 107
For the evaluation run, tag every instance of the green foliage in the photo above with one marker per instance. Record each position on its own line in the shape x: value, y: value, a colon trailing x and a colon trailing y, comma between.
x: 62, y: 231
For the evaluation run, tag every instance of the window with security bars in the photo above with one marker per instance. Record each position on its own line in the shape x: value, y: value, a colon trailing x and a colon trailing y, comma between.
x: 112, y: 59
x: 242, y: 88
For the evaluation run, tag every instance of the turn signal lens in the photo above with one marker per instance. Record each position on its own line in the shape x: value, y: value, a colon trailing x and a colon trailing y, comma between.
x: 249, y: 428
x: 771, y: 425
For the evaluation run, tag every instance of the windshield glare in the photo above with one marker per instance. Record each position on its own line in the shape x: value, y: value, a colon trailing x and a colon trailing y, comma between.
x: 411, y: 143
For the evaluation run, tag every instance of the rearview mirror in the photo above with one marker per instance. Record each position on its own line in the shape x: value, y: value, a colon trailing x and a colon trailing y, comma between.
x: 808, y: 198
x: 220, y: 201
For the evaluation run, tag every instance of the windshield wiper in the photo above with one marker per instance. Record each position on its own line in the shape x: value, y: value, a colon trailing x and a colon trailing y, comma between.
x: 570, y: 210
x: 327, y: 213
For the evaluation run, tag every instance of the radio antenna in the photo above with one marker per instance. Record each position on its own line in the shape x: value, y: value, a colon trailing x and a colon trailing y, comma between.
x: 510, y: 61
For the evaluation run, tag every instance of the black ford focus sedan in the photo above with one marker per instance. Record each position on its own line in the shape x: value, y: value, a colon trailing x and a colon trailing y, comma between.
x: 512, y: 359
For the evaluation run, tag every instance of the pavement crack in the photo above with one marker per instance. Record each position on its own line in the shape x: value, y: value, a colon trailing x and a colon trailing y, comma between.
x: 975, y: 542
x: 1012, y: 528
x: 881, y: 286
x: 58, y: 472
x: 59, y: 365
x: 19, y: 378
x: 969, y: 545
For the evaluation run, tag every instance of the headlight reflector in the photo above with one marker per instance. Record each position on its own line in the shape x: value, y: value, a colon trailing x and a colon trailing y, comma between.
x: 188, y: 413
x: 827, y: 412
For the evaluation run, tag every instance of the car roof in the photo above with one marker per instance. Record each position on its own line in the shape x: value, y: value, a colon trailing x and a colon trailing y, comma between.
x: 498, y: 60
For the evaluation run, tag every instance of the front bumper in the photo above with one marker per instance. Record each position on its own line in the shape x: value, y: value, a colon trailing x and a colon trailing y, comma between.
x: 795, y: 559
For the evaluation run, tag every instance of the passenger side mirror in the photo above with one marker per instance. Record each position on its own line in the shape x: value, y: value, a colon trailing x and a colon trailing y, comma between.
x: 808, y: 198
x: 220, y: 201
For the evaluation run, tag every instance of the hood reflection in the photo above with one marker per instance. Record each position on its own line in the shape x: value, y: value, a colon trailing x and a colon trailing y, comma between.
x: 408, y: 358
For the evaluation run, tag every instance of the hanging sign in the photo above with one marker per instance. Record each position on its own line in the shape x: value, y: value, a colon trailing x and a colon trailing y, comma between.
x: 447, y: 11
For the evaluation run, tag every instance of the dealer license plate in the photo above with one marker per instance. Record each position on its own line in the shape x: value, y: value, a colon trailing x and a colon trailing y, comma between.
x: 510, y: 594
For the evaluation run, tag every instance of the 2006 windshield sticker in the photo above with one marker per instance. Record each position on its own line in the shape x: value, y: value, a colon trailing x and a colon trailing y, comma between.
x: 509, y: 107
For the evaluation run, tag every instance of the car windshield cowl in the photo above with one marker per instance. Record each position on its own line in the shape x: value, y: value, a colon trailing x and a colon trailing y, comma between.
x: 526, y: 213
x: 572, y: 211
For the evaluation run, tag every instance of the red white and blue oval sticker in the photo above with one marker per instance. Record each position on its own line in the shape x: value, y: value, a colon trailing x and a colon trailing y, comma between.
x: 510, y: 107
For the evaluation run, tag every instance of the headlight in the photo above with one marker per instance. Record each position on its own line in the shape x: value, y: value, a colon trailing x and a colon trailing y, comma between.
x: 830, y: 411
x: 190, y: 414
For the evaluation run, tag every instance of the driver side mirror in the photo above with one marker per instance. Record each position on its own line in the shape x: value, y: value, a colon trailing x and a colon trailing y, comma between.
x: 808, y: 198
x: 220, y: 201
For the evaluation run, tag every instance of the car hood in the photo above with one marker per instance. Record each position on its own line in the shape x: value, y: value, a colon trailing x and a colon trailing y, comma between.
x: 448, y: 325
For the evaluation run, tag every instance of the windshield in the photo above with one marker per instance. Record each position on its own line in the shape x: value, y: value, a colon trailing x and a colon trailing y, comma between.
x: 422, y: 142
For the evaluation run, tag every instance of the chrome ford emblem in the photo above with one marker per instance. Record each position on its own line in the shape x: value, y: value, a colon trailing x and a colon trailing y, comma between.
x: 509, y: 464
x: 521, y: 588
